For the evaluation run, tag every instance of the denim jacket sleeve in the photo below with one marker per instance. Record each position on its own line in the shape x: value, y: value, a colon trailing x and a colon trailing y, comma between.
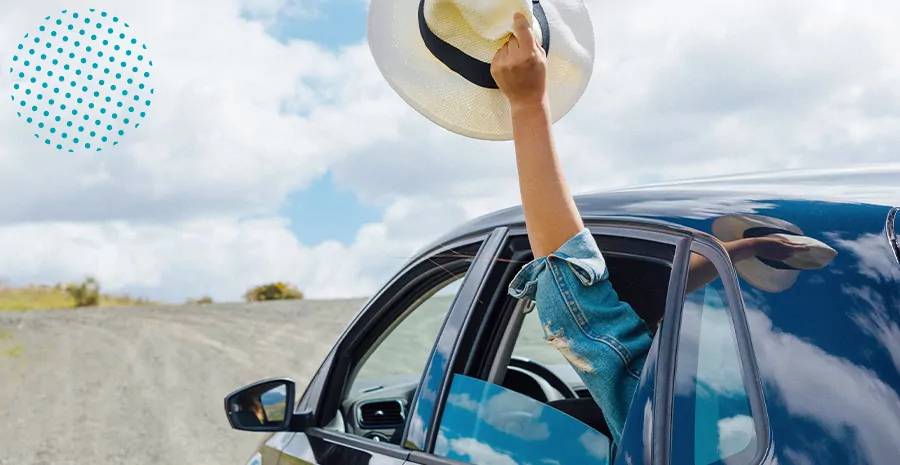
x: 603, y: 339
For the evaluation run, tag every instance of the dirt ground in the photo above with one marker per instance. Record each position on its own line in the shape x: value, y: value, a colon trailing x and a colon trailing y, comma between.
x: 146, y: 385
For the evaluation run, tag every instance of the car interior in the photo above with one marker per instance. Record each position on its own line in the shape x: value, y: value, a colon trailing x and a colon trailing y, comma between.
x: 640, y: 281
x: 379, y: 412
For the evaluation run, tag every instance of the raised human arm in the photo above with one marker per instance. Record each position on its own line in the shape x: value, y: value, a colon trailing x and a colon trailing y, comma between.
x: 520, y: 69
x: 603, y: 339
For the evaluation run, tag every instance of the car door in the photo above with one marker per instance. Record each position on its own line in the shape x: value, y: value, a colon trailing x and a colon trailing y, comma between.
x: 477, y: 416
x: 361, y: 402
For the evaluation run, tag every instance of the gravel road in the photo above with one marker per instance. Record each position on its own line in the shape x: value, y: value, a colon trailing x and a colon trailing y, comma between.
x: 145, y: 385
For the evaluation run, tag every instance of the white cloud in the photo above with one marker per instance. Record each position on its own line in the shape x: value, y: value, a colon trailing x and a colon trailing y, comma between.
x: 735, y: 434
x: 240, y: 119
x: 441, y: 445
x: 596, y: 444
x: 855, y: 397
x: 875, y: 259
x: 797, y: 458
x: 876, y: 321
x: 463, y: 401
x: 479, y: 452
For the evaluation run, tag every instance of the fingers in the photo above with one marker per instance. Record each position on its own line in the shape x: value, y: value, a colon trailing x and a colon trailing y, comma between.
x: 522, y: 30
x: 794, y: 245
x: 499, y: 58
x: 512, y: 42
x: 504, y: 50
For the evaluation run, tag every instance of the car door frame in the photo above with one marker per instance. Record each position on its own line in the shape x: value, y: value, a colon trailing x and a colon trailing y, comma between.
x: 401, y: 290
x: 663, y: 413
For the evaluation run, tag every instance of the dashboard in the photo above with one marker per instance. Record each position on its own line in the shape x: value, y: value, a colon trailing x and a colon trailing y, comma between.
x: 379, y: 412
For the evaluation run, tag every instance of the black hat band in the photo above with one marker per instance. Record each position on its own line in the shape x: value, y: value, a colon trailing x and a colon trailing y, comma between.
x: 762, y: 231
x: 472, y: 69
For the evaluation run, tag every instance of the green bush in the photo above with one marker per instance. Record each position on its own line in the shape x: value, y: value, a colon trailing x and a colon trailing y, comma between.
x: 86, y: 294
x: 203, y: 300
x: 273, y: 291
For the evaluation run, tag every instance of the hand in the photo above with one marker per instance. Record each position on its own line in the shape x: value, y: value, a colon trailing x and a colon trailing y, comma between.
x: 776, y: 248
x: 520, y: 67
x: 773, y: 248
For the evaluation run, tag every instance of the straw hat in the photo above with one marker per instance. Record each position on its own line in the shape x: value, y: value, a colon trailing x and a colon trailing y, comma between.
x: 436, y: 55
x: 772, y: 275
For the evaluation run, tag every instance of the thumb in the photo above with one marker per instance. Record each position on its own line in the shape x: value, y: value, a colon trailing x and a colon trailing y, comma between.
x: 522, y: 31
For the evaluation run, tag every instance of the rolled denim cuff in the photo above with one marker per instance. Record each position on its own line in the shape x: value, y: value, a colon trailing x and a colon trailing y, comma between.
x: 581, y: 254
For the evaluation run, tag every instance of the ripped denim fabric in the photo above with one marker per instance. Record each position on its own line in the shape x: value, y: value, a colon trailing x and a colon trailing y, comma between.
x: 603, y: 339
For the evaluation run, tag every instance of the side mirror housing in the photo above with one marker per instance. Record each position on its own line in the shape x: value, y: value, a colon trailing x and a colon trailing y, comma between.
x: 266, y: 406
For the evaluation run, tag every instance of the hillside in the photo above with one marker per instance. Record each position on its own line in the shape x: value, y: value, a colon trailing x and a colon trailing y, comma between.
x: 55, y: 297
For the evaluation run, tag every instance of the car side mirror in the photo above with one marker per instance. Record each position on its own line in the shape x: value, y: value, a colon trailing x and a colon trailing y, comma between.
x: 266, y: 405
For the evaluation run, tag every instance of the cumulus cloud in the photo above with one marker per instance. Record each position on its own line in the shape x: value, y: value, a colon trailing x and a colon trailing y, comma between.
x: 241, y: 119
x: 479, y: 452
x: 596, y: 444
x: 463, y: 401
x: 871, y: 412
x: 735, y: 434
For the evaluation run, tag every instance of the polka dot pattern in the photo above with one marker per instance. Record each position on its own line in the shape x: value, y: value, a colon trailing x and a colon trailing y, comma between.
x: 79, y: 69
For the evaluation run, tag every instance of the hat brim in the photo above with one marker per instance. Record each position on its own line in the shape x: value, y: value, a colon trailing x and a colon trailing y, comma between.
x: 758, y: 274
x: 454, y: 103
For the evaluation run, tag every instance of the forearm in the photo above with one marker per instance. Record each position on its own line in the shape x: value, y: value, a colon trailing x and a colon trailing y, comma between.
x: 551, y: 217
x: 703, y: 271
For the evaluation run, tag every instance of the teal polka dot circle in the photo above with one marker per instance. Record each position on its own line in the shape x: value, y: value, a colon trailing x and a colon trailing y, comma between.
x: 61, y: 78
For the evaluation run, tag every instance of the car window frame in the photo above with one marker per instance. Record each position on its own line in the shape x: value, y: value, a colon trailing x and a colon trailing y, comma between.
x: 891, y: 230
x: 404, y: 288
x: 650, y: 230
x: 713, y: 250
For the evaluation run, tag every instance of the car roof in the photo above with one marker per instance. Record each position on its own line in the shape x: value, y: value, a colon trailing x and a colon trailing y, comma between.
x: 872, y: 185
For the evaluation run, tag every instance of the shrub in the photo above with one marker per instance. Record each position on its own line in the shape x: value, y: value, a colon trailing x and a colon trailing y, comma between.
x: 86, y: 294
x: 273, y: 291
x: 203, y: 300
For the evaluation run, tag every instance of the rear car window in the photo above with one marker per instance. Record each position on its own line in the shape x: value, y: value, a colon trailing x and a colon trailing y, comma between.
x: 712, y: 407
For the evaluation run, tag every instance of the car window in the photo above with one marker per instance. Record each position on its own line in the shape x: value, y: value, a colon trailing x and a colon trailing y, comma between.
x: 403, y: 353
x: 486, y: 424
x: 712, y: 407
x: 376, y: 405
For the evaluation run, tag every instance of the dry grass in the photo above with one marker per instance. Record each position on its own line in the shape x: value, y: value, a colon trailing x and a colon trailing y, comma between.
x: 15, y: 351
x: 55, y: 297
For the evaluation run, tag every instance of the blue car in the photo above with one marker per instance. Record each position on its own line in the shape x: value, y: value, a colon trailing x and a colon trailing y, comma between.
x: 771, y: 361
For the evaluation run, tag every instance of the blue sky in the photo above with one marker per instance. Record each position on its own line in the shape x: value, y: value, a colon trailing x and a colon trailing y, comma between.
x: 332, y: 23
x: 323, y: 211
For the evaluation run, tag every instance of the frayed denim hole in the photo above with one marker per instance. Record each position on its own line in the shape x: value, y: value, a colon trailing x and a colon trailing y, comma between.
x: 559, y: 342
